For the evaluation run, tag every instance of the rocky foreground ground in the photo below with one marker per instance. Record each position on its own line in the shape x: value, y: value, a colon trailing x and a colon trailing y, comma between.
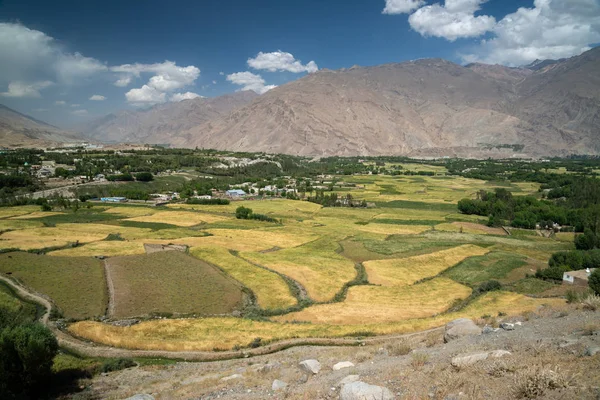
x: 549, y: 354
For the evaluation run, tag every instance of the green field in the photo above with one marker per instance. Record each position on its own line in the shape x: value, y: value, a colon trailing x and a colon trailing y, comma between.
x: 75, y: 284
x: 170, y: 282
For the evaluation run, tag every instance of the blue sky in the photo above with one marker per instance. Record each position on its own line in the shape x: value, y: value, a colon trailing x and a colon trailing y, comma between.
x: 57, y: 55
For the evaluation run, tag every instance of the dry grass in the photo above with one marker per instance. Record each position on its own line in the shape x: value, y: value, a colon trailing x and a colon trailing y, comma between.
x: 131, y: 211
x: 591, y: 302
x: 37, y: 214
x: 316, y: 265
x: 470, y: 227
x: 400, y: 348
x: 179, y: 218
x: 209, y: 333
x: 392, y: 229
x: 170, y: 282
x: 271, y: 290
x: 103, y: 248
x: 533, y: 382
x: 406, y: 271
x: 380, y: 304
x: 6, y: 212
x: 75, y: 284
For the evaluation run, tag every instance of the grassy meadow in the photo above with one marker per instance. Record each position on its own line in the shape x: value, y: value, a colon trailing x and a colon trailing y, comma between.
x: 397, y: 266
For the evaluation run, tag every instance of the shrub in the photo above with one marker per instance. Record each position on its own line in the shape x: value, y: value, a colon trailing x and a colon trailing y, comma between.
x: 418, y: 360
x: 216, y: 202
x: 490, y: 286
x: 26, y: 353
x: 399, y: 349
x: 257, y: 342
x: 594, y: 281
x: 114, y: 237
x: 117, y: 365
x: 534, y: 382
x: 243, y: 212
x: 572, y: 296
x: 592, y: 302
x: 144, y: 177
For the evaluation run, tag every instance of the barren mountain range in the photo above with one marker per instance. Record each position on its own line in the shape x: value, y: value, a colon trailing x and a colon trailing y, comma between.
x: 427, y: 107
x: 21, y: 130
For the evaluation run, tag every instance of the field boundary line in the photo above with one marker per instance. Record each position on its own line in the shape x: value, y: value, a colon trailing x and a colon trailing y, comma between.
x: 110, y: 286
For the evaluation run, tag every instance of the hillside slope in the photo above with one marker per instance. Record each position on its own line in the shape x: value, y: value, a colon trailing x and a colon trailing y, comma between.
x: 428, y: 107
x: 20, y: 130
x: 163, y: 123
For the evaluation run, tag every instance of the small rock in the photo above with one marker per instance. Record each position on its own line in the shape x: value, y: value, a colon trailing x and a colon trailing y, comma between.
x: 263, y: 369
x: 519, y: 323
x: 592, y: 350
x: 507, y: 326
x: 363, y: 391
x: 499, y: 353
x: 568, y: 343
x: 278, y: 385
x: 140, y: 397
x: 232, y: 377
x: 311, y: 366
x: 459, y: 328
x: 488, y: 329
x: 349, y: 379
x: 342, y: 365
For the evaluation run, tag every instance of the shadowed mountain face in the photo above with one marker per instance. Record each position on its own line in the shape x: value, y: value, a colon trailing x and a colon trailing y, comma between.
x: 163, y: 123
x: 428, y: 107
x: 20, y: 130
x: 423, y: 108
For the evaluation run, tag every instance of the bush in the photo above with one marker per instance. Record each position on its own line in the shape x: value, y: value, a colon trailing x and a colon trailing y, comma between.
x: 489, y: 286
x: 144, y: 177
x: 594, y: 281
x: 552, y: 273
x: 243, y: 212
x: 117, y: 365
x: 26, y: 353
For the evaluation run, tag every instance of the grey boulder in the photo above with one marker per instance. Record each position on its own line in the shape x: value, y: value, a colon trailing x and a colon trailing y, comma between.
x: 278, y: 385
x: 311, y: 366
x: 363, y: 391
x: 459, y: 328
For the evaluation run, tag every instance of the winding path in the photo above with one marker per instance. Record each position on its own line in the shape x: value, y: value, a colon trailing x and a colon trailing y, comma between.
x: 110, y: 309
x: 96, y: 350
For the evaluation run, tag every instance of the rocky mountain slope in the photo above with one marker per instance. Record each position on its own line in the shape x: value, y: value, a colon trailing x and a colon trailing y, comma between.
x: 20, y: 130
x: 165, y: 122
x: 428, y: 107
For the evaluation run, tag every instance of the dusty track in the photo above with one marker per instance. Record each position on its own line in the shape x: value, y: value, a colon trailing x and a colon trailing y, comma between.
x: 110, y: 309
x: 95, y: 350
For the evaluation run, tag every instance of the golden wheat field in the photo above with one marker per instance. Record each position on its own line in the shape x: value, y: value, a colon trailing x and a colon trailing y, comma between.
x: 340, y: 271
x: 406, y: 271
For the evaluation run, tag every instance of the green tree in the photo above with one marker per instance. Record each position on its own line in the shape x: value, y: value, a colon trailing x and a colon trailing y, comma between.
x: 243, y: 212
x: 594, y: 281
x: 144, y: 176
x: 26, y: 354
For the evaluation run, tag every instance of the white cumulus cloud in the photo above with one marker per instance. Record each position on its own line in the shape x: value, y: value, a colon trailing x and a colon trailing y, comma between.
x: 97, y: 97
x: 550, y: 29
x: 401, y: 6
x: 455, y: 19
x: 22, y: 89
x: 145, y: 95
x: 281, y: 61
x: 80, y: 112
x: 167, y: 77
x: 184, y: 96
x: 60, y: 102
x: 250, y: 81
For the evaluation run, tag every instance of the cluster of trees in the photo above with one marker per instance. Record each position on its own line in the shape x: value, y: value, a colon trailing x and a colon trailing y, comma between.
x: 26, y: 353
x: 334, y: 200
x: 212, y: 202
x: 526, y: 212
x: 246, y: 213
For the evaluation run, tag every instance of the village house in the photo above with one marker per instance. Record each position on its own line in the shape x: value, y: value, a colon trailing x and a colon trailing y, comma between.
x: 578, y: 278
x: 235, y: 193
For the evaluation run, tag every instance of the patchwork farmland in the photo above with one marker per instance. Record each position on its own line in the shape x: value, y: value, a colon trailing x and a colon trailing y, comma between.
x: 409, y: 261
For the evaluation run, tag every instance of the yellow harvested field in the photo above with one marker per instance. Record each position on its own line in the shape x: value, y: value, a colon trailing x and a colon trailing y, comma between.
x: 207, y: 334
x: 316, y: 265
x: 103, y: 248
x: 469, y: 227
x: 250, y: 240
x: 392, y: 229
x: 180, y: 218
x: 410, y: 214
x: 381, y: 304
x: 6, y: 212
x: 130, y: 211
x: 270, y: 289
x: 6, y: 224
x: 278, y: 208
x: 406, y: 271
x: 37, y: 214
x: 565, y: 236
